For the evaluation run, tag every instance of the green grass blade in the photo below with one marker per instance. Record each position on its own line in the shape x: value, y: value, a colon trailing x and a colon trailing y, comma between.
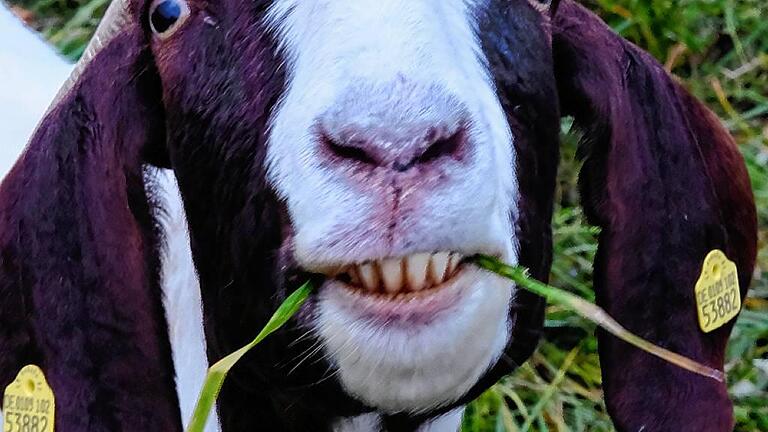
x: 593, y: 313
x: 551, y: 389
x: 218, y: 372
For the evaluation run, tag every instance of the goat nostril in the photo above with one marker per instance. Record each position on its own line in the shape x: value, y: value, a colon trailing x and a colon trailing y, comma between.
x: 437, y: 148
x: 403, y: 167
x: 441, y: 147
x: 351, y: 151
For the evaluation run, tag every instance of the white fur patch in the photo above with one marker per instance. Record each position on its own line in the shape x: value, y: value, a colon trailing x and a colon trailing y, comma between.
x: 183, y: 306
x: 379, y: 57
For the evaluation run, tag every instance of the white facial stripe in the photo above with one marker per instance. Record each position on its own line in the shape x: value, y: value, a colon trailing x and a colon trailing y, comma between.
x: 332, y: 46
x: 406, y: 56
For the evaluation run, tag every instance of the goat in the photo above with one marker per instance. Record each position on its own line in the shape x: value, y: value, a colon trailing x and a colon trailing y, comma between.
x: 370, y: 146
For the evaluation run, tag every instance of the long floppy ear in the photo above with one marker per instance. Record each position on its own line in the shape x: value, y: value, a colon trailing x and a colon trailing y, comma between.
x: 79, y: 286
x: 667, y: 185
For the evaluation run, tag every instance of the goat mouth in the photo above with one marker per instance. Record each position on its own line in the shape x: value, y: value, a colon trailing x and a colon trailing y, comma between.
x: 416, y: 275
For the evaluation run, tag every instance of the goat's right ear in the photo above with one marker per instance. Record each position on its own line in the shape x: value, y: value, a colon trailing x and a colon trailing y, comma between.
x: 79, y: 268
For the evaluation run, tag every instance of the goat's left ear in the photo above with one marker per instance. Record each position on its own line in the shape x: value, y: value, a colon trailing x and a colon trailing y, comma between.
x: 79, y: 264
x: 667, y: 185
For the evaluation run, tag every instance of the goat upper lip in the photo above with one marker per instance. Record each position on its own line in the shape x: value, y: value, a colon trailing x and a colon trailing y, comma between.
x: 394, y: 276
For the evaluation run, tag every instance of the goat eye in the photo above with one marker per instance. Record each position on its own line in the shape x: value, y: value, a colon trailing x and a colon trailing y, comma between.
x: 165, y: 16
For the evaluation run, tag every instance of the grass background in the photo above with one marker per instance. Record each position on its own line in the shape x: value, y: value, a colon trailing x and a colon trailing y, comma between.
x: 719, y: 49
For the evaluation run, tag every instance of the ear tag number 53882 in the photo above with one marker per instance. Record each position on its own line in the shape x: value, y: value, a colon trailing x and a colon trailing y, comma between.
x: 28, y: 403
x: 718, y: 299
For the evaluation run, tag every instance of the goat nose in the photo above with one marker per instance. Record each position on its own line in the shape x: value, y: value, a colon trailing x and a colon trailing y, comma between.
x: 399, y: 148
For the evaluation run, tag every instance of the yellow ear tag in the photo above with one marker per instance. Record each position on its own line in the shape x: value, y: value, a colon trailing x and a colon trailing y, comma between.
x: 718, y: 298
x: 28, y: 404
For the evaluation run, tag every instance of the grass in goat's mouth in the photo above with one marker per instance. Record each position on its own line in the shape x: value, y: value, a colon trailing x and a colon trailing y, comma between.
x: 218, y: 372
